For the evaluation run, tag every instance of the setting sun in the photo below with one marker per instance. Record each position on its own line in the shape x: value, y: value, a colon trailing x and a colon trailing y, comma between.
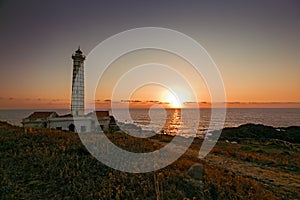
x: 170, y: 98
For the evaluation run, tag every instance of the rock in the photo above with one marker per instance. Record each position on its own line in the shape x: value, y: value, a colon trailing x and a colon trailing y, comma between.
x: 196, y: 172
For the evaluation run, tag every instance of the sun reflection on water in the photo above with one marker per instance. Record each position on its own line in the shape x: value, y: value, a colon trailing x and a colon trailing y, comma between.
x: 173, y: 122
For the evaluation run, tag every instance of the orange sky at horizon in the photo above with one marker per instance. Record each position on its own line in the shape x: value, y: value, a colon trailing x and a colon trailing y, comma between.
x: 238, y: 95
x: 44, y: 104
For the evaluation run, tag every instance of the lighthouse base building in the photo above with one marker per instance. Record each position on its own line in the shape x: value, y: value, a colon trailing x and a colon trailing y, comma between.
x: 85, y: 124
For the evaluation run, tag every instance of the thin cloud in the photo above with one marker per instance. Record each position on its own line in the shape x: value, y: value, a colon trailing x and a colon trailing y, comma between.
x: 274, y: 102
x: 163, y: 103
x: 152, y: 101
x: 131, y: 101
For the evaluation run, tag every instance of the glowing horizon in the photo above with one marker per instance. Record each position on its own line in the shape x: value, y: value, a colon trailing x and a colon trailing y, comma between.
x: 46, y: 104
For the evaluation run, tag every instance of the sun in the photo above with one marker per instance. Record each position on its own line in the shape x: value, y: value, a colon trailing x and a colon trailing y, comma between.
x: 172, y: 100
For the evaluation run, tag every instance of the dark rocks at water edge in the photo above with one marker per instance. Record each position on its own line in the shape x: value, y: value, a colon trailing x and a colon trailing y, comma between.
x: 261, y: 132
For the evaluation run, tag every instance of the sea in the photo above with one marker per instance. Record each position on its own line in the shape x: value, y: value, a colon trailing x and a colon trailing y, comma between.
x: 169, y: 121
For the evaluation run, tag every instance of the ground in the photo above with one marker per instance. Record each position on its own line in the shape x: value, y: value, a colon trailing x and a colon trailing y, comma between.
x: 54, y: 164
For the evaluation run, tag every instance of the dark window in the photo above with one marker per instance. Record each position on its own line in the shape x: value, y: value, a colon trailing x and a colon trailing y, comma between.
x: 72, y: 127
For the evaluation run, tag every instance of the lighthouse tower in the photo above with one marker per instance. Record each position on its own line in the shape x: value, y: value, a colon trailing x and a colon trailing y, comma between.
x: 77, y: 105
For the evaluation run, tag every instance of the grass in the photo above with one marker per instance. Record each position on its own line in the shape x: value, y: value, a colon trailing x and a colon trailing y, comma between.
x: 45, y: 164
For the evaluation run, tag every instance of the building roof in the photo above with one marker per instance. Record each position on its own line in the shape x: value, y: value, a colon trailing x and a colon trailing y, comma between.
x: 78, y: 51
x: 99, y: 114
x: 67, y: 115
x: 102, y: 114
x: 37, y: 115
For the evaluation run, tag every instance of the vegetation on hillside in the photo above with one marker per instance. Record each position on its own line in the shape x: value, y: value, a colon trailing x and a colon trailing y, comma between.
x: 48, y: 164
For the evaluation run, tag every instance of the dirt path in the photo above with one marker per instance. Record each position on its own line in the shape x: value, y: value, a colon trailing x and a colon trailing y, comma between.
x: 274, y: 179
x: 282, y: 183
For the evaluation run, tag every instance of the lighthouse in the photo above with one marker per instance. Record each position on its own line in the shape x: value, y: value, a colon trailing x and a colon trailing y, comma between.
x: 77, y: 104
x: 77, y: 121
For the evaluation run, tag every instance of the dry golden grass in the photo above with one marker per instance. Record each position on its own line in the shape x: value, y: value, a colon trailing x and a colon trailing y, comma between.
x: 54, y: 164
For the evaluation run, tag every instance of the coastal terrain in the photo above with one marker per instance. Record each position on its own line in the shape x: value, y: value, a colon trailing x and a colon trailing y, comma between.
x: 248, y: 162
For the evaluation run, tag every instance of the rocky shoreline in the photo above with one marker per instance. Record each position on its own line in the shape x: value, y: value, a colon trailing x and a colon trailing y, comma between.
x: 262, y: 132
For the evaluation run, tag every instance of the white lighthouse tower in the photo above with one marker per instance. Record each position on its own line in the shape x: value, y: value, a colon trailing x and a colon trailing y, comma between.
x: 77, y: 105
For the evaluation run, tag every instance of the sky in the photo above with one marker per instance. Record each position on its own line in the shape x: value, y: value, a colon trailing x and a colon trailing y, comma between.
x: 254, y: 44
